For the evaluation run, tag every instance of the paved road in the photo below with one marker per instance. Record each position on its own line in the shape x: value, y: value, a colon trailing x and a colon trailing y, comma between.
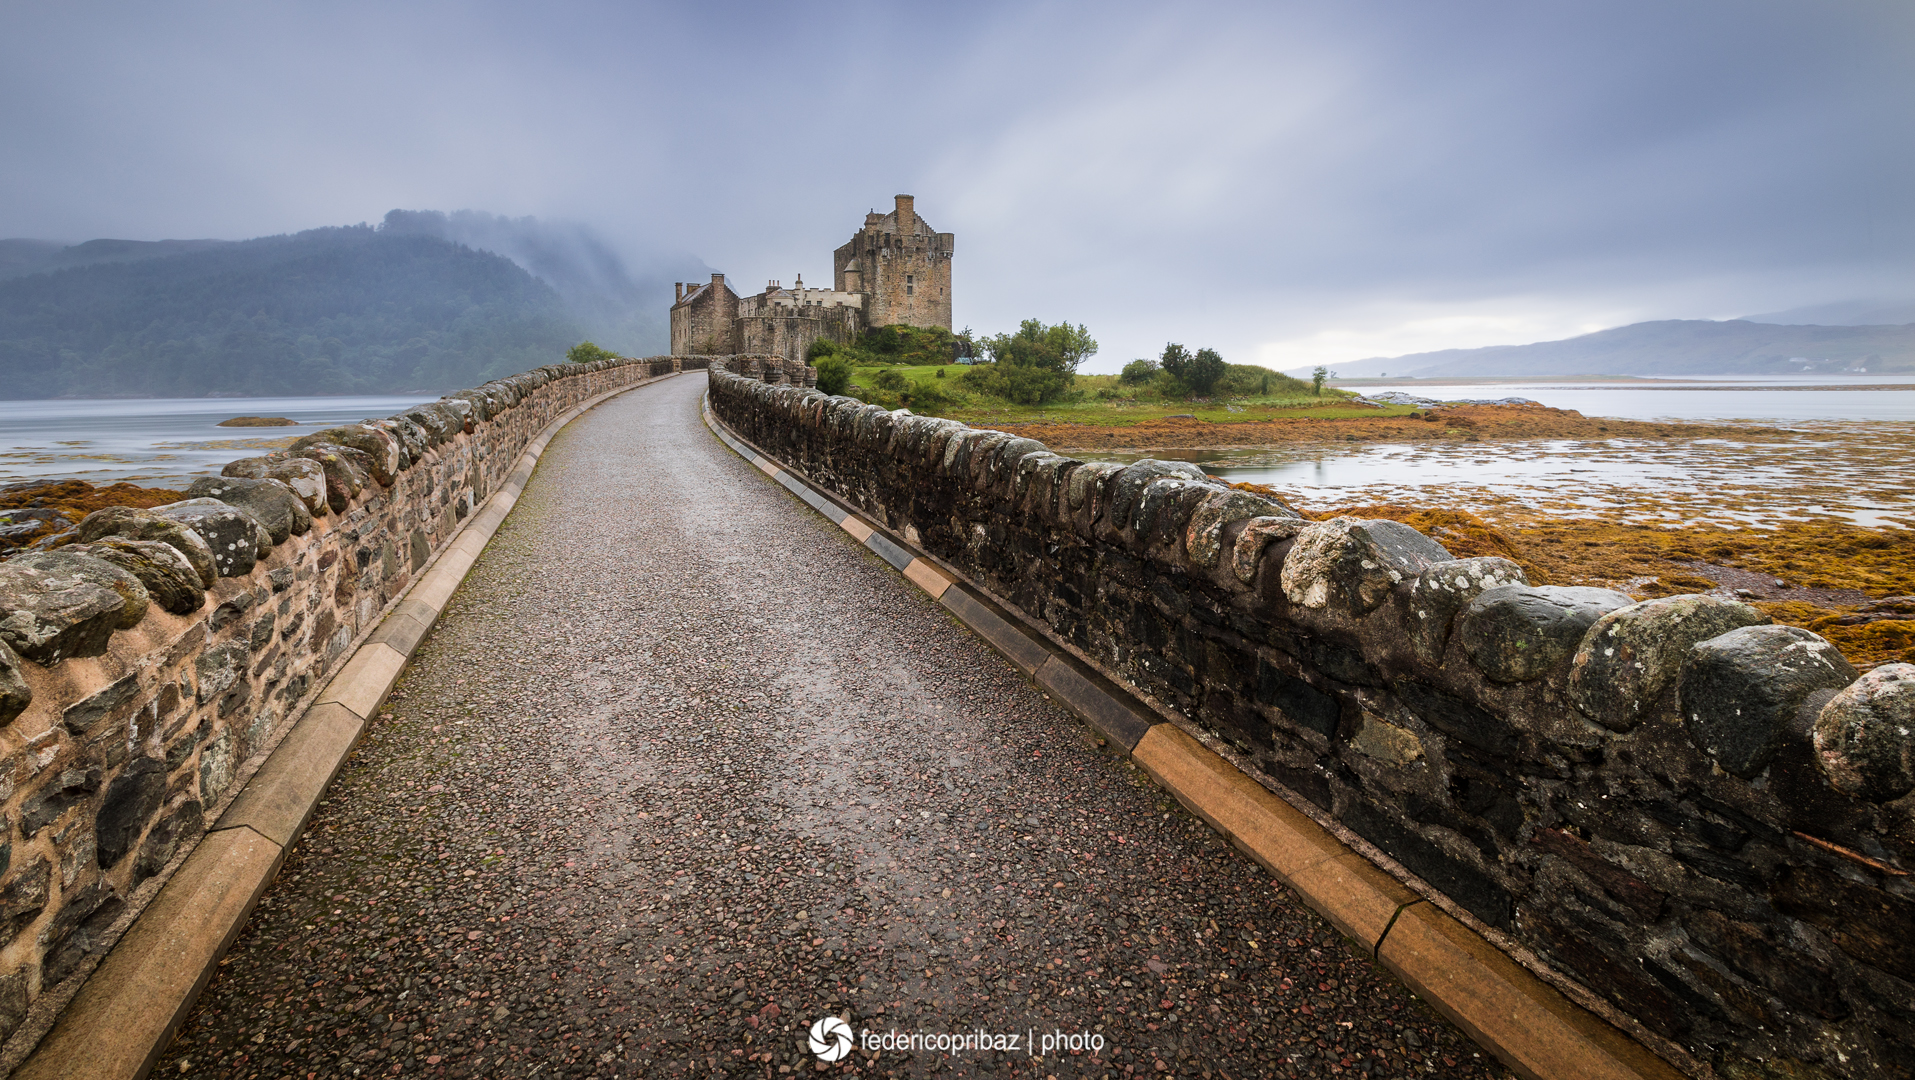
x: 683, y: 769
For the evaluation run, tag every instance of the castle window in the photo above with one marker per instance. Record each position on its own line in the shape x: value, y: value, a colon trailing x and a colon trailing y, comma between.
x: 908, y: 287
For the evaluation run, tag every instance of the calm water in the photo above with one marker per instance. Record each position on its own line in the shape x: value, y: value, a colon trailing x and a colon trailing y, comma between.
x: 159, y: 441
x: 1822, y: 463
x: 1762, y: 398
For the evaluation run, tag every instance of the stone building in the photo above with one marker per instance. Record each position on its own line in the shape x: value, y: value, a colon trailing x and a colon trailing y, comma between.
x: 896, y: 269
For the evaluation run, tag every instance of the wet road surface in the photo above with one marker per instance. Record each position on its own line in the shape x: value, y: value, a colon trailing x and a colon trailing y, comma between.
x: 683, y: 770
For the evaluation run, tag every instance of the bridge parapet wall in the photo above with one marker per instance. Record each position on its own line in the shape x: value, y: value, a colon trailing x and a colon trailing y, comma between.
x: 125, y: 733
x: 1696, y: 817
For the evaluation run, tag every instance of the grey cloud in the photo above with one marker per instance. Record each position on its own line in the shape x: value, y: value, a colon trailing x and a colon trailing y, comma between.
x: 1235, y: 174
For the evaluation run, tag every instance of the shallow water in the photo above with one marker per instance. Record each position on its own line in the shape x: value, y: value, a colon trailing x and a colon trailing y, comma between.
x: 1760, y: 398
x: 160, y: 442
x: 1850, y: 472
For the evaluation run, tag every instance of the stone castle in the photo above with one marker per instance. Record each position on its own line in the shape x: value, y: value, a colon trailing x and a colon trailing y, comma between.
x: 894, y: 270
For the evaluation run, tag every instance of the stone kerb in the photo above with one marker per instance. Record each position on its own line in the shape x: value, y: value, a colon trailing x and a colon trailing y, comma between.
x: 1676, y: 811
x: 147, y: 665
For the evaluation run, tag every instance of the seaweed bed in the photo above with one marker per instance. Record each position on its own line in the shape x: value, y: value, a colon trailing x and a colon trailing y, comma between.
x: 73, y: 500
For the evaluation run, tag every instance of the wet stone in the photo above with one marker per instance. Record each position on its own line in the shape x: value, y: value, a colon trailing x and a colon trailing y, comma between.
x: 1515, y: 633
x: 1438, y: 594
x: 306, y: 478
x: 130, y: 803
x: 47, y: 617
x: 1865, y: 735
x: 170, y: 581
x: 129, y: 523
x: 270, y: 501
x: 1203, y: 537
x: 231, y: 533
x: 1352, y: 565
x: 381, y: 448
x: 1634, y: 653
x: 1740, y: 691
x: 346, y: 473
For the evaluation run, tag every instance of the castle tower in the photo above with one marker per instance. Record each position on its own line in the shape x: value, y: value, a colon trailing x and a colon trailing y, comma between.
x: 704, y: 319
x: 901, y: 265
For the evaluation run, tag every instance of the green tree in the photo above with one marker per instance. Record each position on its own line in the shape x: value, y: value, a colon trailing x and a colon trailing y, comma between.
x: 1138, y: 372
x: 834, y: 374
x: 585, y: 352
x: 1317, y: 377
x: 1054, y: 348
x: 1198, y: 373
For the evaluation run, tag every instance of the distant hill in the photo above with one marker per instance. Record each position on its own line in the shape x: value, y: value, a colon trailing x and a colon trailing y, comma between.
x: 624, y: 306
x: 425, y: 302
x: 1669, y: 347
x: 1845, y: 313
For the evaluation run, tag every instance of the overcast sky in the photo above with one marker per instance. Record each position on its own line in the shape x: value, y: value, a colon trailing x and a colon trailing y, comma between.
x: 1290, y: 183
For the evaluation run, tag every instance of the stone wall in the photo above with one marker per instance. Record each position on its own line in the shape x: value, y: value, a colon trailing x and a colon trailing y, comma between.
x: 1699, y: 817
x: 149, y: 658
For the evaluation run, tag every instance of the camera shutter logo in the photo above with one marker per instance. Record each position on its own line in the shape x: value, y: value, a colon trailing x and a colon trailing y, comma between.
x: 830, y: 1038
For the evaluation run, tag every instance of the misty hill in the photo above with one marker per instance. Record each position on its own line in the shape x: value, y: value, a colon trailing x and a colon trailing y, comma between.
x: 1670, y: 347
x: 327, y: 311
x: 21, y: 257
x: 624, y: 306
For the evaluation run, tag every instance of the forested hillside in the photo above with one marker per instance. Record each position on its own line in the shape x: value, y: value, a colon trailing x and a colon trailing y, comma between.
x: 328, y: 311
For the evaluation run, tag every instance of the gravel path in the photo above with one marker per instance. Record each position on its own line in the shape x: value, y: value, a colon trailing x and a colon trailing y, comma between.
x: 684, y: 769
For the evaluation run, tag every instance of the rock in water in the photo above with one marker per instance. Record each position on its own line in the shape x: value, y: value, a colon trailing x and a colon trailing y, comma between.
x: 258, y: 421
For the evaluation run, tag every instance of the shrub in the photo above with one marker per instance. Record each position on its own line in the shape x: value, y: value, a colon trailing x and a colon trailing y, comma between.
x: 1017, y: 383
x: 1138, y: 372
x: 834, y: 374
x: 892, y: 381
x: 822, y: 347
x: 585, y: 352
x: 1198, y: 373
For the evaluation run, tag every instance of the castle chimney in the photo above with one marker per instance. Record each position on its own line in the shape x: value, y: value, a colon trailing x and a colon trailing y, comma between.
x: 906, y: 210
x: 717, y: 280
x: 678, y: 289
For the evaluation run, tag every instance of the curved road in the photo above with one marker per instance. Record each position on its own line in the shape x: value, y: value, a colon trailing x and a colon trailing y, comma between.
x: 684, y: 769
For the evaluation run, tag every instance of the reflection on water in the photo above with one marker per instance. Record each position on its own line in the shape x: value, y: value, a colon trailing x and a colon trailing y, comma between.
x: 1855, y: 472
x: 160, y: 442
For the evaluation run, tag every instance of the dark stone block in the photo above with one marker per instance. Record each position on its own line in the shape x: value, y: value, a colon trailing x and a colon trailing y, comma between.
x: 1573, y: 943
x: 1790, y: 975
x: 1457, y: 718
x: 78, y: 931
x: 1740, y: 691
x: 80, y: 718
x: 1871, y: 925
x: 1465, y: 884
x: 130, y: 803
x: 59, y: 792
x: 1620, y: 885
x: 1298, y: 701
x: 24, y: 898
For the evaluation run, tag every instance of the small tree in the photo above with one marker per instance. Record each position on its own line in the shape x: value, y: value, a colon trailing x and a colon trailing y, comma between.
x: 1317, y: 377
x: 1138, y: 372
x: 834, y: 373
x: 585, y: 352
x: 1198, y: 373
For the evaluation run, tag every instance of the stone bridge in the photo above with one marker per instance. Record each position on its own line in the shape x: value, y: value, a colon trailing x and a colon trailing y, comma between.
x: 570, y: 728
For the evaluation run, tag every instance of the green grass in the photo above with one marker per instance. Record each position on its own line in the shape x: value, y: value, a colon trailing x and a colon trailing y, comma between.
x: 1103, y: 400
